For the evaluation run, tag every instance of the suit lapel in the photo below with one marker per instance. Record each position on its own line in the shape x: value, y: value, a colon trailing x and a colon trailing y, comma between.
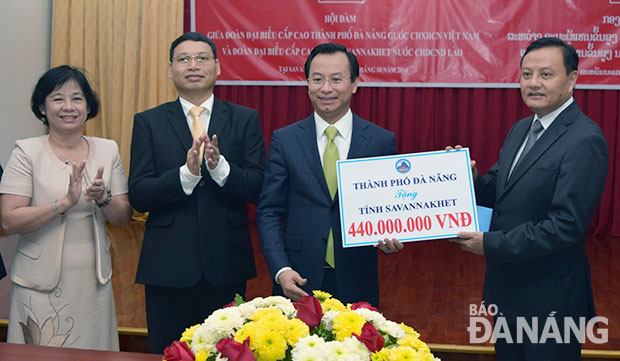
x: 542, y: 145
x: 511, y: 148
x: 306, y: 136
x: 219, y: 117
x: 359, y: 139
x: 178, y: 123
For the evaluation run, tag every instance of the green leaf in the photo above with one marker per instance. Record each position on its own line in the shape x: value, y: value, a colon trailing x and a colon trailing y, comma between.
x: 238, y: 300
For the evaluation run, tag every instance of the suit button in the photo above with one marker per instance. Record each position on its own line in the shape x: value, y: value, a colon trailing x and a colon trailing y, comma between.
x: 324, y: 239
x: 201, y: 184
x: 333, y: 208
x: 496, y: 214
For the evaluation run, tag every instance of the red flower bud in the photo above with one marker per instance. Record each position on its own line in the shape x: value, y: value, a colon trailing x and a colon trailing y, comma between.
x: 234, y: 350
x: 367, y: 305
x: 371, y: 337
x: 309, y: 310
x: 178, y: 351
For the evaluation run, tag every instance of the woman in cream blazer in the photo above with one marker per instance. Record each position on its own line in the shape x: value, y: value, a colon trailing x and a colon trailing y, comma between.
x: 57, y: 192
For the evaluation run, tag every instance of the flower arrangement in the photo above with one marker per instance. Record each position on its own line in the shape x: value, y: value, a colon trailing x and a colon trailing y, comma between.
x: 317, y: 328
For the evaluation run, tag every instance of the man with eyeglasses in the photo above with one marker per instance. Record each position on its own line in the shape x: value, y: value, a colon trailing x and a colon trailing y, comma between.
x: 298, y: 210
x: 195, y: 162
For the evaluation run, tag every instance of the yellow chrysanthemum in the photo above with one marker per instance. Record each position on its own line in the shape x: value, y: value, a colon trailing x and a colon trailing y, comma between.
x: 333, y: 304
x: 268, y: 345
x: 378, y: 356
x: 274, y: 321
x: 188, y: 334
x: 414, y: 342
x: 402, y: 353
x: 347, y: 322
x: 409, y: 330
x: 202, y: 354
x: 381, y: 355
x: 266, y: 312
x: 247, y: 330
x: 295, y: 329
x: 321, y: 295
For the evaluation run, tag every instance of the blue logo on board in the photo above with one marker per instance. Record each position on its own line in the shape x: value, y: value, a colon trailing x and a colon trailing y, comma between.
x: 403, y: 166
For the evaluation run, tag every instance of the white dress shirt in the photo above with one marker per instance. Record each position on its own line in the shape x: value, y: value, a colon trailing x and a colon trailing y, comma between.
x: 220, y: 173
x: 545, y: 122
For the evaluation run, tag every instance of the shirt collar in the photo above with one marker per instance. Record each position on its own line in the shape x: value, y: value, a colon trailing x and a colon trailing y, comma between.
x: 549, y: 118
x: 187, y: 105
x: 344, y: 125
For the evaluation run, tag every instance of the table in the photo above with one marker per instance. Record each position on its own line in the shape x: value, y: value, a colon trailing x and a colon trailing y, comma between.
x: 19, y: 352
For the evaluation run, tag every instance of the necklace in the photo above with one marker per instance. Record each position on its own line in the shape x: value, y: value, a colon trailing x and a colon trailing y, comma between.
x: 62, y: 155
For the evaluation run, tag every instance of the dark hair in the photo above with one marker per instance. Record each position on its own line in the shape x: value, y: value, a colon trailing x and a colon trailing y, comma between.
x: 571, y: 59
x: 54, y: 79
x: 333, y: 48
x: 193, y: 36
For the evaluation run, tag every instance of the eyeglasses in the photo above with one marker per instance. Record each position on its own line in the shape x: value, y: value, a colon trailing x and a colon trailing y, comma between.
x: 334, y: 80
x: 186, y: 59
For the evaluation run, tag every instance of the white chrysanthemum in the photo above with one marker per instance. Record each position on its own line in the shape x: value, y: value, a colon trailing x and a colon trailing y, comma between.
x: 204, y: 338
x: 246, y: 310
x: 308, y: 354
x: 373, y: 316
x: 312, y: 343
x: 392, y: 329
x: 275, y: 300
x: 334, y: 350
x: 328, y: 319
x: 224, y: 322
x: 345, y: 351
x: 256, y: 302
x: 288, y: 309
x: 356, y: 347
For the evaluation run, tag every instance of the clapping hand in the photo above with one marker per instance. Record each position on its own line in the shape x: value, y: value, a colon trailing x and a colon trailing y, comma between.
x: 212, y: 152
x: 75, y: 183
x: 96, y: 189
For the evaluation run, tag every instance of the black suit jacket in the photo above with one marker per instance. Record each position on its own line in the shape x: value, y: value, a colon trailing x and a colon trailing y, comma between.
x: 535, y: 251
x: 205, y: 233
x: 2, y: 269
x: 296, y: 211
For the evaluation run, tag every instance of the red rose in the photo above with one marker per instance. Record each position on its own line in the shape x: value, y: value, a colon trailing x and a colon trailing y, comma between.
x: 309, y: 310
x: 178, y: 351
x: 370, y: 337
x: 367, y: 305
x: 231, y: 304
x: 234, y: 350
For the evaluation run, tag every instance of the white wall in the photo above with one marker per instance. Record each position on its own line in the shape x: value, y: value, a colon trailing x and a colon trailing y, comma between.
x: 25, y: 39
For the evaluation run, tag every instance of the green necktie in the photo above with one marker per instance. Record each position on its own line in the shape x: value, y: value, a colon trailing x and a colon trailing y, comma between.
x: 329, y: 169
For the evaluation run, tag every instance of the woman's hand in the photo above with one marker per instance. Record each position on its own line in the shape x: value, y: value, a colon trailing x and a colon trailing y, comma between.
x: 96, y: 189
x: 75, y: 188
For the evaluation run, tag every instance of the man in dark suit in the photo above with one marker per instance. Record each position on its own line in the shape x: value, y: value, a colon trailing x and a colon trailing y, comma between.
x: 298, y: 211
x: 197, y: 252
x: 543, y: 199
x: 2, y: 269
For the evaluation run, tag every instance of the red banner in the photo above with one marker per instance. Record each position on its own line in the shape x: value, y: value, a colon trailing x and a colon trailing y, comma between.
x: 447, y: 43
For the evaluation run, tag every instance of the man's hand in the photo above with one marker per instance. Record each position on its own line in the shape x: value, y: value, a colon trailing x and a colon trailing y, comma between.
x: 212, y: 152
x: 470, y: 241
x: 193, y: 156
x: 389, y: 246
x: 472, y: 163
x: 289, y: 280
